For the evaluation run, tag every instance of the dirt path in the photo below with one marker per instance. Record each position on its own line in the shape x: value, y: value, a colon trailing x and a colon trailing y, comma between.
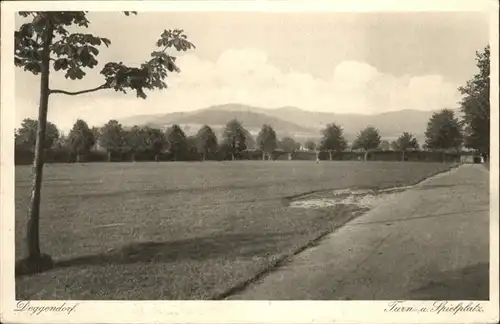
x: 429, y: 242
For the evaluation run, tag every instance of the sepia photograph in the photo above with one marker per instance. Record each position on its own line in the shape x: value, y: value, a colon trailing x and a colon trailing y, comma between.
x: 249, y: 155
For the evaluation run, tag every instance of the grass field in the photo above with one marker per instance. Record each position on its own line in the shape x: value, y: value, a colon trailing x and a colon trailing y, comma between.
x: 182, y: 230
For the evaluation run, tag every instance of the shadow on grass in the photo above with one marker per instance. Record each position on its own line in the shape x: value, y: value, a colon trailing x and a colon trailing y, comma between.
x: 468, y: 283
x: 200, y: 248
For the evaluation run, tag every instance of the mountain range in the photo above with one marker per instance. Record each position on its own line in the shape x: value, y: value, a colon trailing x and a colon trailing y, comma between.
x: 289, y: 121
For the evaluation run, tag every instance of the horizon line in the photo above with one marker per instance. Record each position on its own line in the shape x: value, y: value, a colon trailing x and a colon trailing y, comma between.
x: 247, y: 106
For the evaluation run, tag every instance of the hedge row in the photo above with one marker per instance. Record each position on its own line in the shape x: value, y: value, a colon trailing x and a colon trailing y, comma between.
x: 63, y: 156
x: 415, y: 156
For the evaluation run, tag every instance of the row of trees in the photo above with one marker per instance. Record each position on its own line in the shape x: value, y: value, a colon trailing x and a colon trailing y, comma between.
x: 444, y: 130
x: 443, y: 133
x: 113, y: 137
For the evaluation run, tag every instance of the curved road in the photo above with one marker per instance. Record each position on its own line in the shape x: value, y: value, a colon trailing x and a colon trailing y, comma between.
x: 430, y: 242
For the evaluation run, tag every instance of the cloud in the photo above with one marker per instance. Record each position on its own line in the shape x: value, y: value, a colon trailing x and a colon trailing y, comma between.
x: 247, y: 76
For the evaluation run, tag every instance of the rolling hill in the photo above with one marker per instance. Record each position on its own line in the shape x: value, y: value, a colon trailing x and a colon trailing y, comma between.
x: 289, y: 121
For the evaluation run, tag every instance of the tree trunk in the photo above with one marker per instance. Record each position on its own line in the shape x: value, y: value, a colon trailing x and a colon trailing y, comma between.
x: 33, y: 229
x: 78, y: 156
x: 366, y: 156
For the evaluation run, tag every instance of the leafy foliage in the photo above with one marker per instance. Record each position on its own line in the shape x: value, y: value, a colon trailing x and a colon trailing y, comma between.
x: 25, y: 136
x: 80, y: 138
x: 267, y: 140
x: 384, y: 145
x: 61, y: 143
x: 443, y: 131
x: 333, y: 138
x: 112, y: 136
x: 310, y: 145
x: 234, y: 137
x: 75, y: 52
x: 475, y: 105
x: 70, y: 51
x: 206, y: 141
x: 154, y: 140
x: 149, y: 75
x: 406, y: 142
x: 289, y: 145
x: 134, y: 139
x: 367, y: 139
x: 177, y: 141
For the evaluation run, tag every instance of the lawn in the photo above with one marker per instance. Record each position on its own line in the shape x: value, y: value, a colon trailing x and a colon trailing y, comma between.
x: 182, y: 230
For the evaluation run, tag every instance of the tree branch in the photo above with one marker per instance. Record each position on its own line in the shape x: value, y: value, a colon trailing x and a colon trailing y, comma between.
x: 69, y: 93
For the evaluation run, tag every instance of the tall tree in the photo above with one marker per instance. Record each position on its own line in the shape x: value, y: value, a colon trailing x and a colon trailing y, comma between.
x: 310, y: 145
x: 267, y: 141
x: 406, y: 142
x: 112, y: 137
x: 177, y: 142
x: 26, y: 135
x: 155, y: 141
x: 80, y: 139
x: 333, y: 139
x: 234, y: 138
x: 53, y: 37
x: 134, y: 140
x: 206, y: 141
x: 368, y: 139
x: 443, y: 131
x: 475, y: 105
x: 288, y: 145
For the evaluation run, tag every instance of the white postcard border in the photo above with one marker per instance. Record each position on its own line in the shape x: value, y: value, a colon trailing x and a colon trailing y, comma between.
x: 229, y: 311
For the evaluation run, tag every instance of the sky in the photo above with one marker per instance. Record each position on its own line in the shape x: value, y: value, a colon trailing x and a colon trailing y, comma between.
x: 332, y: 62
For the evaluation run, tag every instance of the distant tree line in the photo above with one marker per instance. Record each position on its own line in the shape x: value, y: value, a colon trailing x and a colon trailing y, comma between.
x: 112, y: 142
